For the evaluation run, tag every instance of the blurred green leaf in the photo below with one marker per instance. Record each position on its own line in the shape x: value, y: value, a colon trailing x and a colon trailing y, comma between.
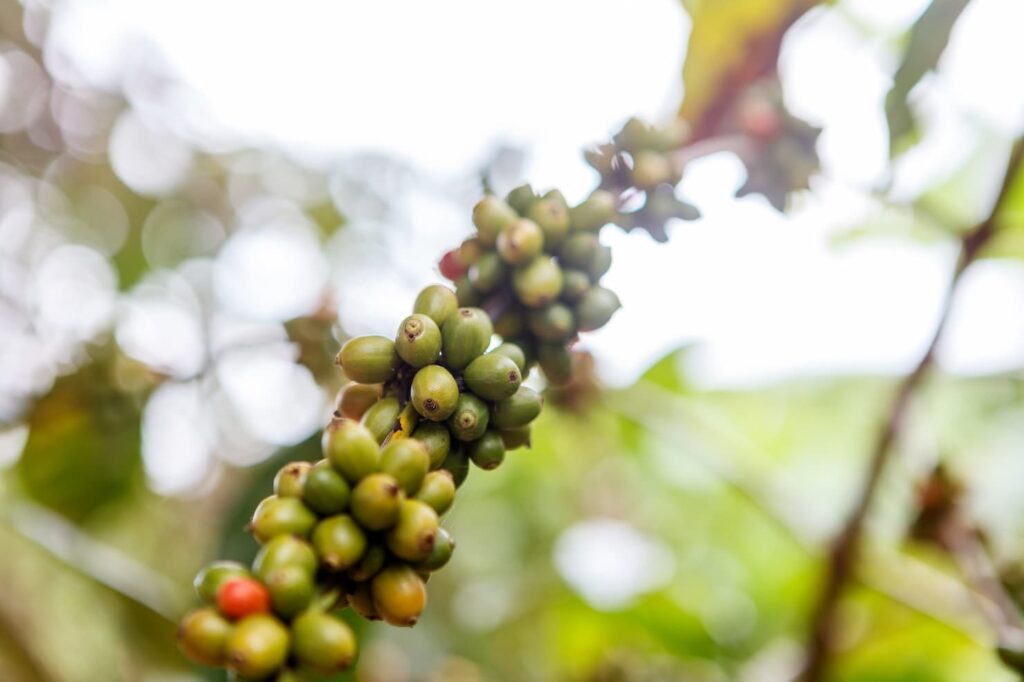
x: 733, y: 43
x: 928, y: 39
x: 83, y: 447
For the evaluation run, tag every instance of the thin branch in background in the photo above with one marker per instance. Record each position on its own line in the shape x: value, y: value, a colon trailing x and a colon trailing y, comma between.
x: 843, y: 556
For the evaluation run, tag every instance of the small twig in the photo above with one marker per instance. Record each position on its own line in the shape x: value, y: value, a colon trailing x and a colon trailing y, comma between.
x: 965, y: 546
x: 843, y: 556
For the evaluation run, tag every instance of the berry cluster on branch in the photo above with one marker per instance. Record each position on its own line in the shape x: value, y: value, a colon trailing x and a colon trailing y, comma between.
x: 360, y: 528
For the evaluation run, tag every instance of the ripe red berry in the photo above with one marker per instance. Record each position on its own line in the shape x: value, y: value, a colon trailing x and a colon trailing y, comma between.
x: 241, y: 597
x: 451, y: 265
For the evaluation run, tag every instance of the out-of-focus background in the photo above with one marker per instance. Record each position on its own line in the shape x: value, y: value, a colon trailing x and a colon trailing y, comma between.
x: 200, y: 200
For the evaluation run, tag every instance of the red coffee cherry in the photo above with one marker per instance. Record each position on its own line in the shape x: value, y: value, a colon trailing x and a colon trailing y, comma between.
x: 241, y: 597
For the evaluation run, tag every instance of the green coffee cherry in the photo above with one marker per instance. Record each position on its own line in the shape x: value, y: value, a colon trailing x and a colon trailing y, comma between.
x: 284, y: 550
x: 487, y: 273
x: 595, y: 212
x: 444, y: 546
x: 556, y: 361
x: 412, y: 537
x: 596, y: 308
x: 290, y: 478
x: 575, y: 284
x: 457, y: 464
x: 513, y: 352
x: 578, y: 250
x: 469, y: 420
x: 419, y: 340
x: 375, y: 501
x: 213, y: 575
x: 493, y: 376
x: 322, y: 642
x: 339, y: 542
x: 554, y: 323
x: 437, y: 302
x: 326, y: 491
x: 281, y: 516
x: 372, y: 561
x: 438, y: 491
x: 381, y: 417
x: 465, y: 294
x: 539, y: 282
x: 491, y: 215
x: 510, y: 323
x: 521, y: 199
x: 601, y: 263
x: 257, y: 647
x: 465, y: 335
x: 552, y: 215
x: 369, y: 359
x: 202, y: 636
x: 291, y: 589
x: 470, y: 250
x: 407, y: 461
x: 361, y: 601
x: 436, y: 439
x: 399, y: 595
x: 434, y: 393
x: 355, y: 399
x: 521, y: 242
x: 488, y: 451
x: 518, y: 410
x: 651, y: 169
x: 516, y: 438
x: 352, y: 448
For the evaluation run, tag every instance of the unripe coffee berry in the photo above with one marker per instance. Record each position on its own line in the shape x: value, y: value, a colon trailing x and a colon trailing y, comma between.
x: 339, y: 542
x: 381, y: 417
x: 437, y: 302
x: 375, y: 501
x: 419, y: 340
x: 554, y: 323
x: 513, y: 352
x: 491, y: 216
x: 369, y: 359
x: 326, y: 492
x: 457, y: 464
x: 368, y: 566
x: 596, y: 308
x: 407, y: 461
x: 470, y: 418
x: 444, y: 546
x: 488, y: 451
x: 202, y: 636
x: 291, y: 589
x: 434, y: 393
x: 355, y: 399
x: 281, y: 516
x: 399, y: 595
x: 436, y: 439
x: 487, y: 273
x: 595, y: 212
x: 290, y: 478
x: 522, y: 241
x: 412, y: 537
x: 351, y: 448
x: 539, y: 282
x: 284, y: 550
x: 493, y: 376
x: 241, y: 597
x: 438, y: 491
x: 552, y: 215
x: 556, y: 361
x: 257, y: 647
x: 518, y: 410
x: 465, y: 335
x: 322, y: 642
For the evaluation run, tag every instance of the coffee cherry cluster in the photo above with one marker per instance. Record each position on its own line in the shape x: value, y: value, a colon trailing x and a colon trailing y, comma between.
x: 536, y: 264
x: 638, y: 163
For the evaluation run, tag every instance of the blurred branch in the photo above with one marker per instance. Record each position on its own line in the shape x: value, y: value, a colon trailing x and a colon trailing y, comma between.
x: 107, y: 566
x: 843, y: 556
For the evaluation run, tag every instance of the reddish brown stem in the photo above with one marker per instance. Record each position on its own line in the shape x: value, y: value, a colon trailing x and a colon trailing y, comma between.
x: 843, y: 556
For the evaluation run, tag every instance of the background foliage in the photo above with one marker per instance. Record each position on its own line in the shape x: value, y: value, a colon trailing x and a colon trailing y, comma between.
x: 661, y: 531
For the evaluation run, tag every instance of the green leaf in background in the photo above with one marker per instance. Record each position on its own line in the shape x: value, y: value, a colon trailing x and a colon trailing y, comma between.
x: 928, y: 39
x: 733, y: 43
x: 83, y: 447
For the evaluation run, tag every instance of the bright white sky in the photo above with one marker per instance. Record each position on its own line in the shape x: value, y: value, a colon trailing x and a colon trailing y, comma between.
x: 439, y: 84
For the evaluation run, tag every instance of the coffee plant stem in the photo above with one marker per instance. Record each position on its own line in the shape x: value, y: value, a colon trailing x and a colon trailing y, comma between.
x: 843, y: 556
